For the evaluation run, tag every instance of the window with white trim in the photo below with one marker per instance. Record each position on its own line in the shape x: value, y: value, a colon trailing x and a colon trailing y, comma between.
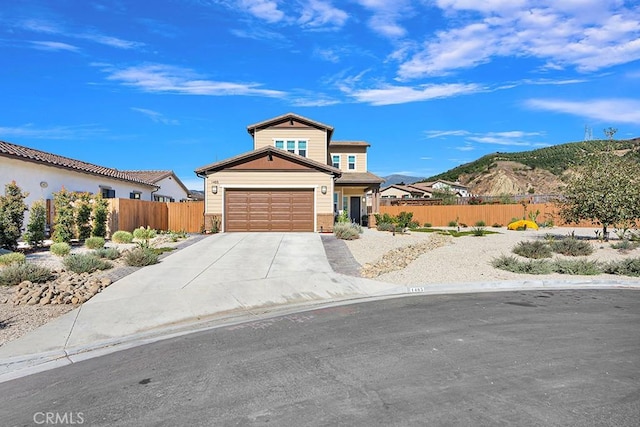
x: 335, y: 160
x: 351, y: 163
x: 293, y: 146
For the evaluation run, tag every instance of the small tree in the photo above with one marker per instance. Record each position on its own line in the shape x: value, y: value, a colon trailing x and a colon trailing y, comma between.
x: 12, y: 208
x: 64, y: 219
x: 610, y: 132
x: 606, y: 191
x: 37, y: 222
x: 83, y: 215
x: 446, y: 194
x: 100, y: 215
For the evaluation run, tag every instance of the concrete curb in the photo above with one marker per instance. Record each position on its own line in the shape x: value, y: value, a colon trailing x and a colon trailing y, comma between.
x: 24, y: 365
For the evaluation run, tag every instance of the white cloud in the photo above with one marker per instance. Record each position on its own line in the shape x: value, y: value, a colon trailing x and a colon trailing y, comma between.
x: 604, y: 110
x: 54, y: 46
x: 516, y: 138
x: 56, y: 132
x: 388, y: 94
x: 165, y: 78
x: 440, y: 133
x: 155, y: 116
x: 587, y: 35
x: 266, y: 10
x: 386, y: 15
x: 42, y: 26
x: 316, y: 13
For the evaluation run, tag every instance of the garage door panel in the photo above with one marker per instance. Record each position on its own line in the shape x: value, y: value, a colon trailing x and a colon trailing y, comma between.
x: 269, y: 210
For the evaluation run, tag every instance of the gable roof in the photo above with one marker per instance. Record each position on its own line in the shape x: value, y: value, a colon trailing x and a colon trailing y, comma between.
x: 157, y: 176
x: 289, y: 117
x: 19, y: 152
x: 267, y: 150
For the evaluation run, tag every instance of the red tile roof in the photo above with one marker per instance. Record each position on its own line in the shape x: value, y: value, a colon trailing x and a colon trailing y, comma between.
x: 19, y: 152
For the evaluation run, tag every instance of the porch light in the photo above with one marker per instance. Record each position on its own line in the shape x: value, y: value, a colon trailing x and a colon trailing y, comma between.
x: 323, y: 189
x: 214, y: 189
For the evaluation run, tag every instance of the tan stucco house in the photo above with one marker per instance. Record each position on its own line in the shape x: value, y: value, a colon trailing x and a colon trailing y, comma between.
x: 296, y: 178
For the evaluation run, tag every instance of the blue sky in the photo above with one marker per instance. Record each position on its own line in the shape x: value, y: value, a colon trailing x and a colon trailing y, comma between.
x: 430, y: 84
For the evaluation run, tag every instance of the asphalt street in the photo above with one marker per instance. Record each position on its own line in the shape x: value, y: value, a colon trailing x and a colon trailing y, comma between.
x: 535, y: 358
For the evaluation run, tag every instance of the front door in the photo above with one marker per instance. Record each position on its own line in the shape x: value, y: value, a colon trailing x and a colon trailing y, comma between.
x: 354, y: 211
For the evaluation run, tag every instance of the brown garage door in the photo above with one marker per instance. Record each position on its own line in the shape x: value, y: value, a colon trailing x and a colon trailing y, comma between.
x: 268, y: 210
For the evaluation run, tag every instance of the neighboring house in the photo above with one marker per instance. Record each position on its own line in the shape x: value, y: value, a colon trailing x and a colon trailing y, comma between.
x: 171, y: 188
x: 455, y: 187
x: 295, y: 179
x: 41, y: 174
x: 397, y: 191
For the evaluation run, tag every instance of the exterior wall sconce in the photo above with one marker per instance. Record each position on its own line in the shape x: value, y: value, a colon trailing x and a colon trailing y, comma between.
x: 323, y: 189
x: 214, y: 189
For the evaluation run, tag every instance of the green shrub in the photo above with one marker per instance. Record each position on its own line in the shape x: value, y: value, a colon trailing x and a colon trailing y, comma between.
x: 346, y: 231
x: 481, y: 223
x: 12, y: 209
x: 384, y: 219
x: 478, y: 231
x: 385, y: 226
x: 64, y: 222
x: 60, y: 249
x: 144, y: 233
x: 94, y: 242
x: 580, y: 267
x: 453, y: 223
x: 572, y: 247
x: 625, y: 245
x: 140, y: 257
x: 625, y: 267
x: 108, y: 253
x: 511, y: 263
x: 427, y: 224
x: 35, y: 234
x: 17, y: 273
x: 85, y: 263
x: 343, y: 218
x: 122, y: 236
x: 100, y: 216
x: 12, y: 258
x: 83, y: 215
x: 533, y: 249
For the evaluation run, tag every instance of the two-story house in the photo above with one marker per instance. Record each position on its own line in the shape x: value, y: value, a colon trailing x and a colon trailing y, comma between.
x: 295, y: 179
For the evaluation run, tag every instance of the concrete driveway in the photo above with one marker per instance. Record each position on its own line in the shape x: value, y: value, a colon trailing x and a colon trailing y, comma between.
x: 224, y: 274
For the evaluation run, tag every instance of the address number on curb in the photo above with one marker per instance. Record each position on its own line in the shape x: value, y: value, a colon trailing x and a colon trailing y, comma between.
x: 416, y: 290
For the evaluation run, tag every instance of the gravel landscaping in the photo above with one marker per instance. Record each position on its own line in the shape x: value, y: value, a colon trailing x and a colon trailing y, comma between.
x: 17, y: 316
x: 468, y: 258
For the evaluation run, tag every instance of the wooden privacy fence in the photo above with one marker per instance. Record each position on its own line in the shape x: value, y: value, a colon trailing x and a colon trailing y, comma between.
x: 129, y: 214
x: 442, y: 215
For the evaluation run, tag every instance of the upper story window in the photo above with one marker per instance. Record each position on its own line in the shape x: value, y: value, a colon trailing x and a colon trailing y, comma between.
x: 335, y: 161
x: 293, y: 146
x: 135, y: 195
x: 352, y: 163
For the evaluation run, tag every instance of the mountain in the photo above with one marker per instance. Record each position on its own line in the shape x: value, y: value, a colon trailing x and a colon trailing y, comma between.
x: 541, y: 171
x: 397, y: 179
